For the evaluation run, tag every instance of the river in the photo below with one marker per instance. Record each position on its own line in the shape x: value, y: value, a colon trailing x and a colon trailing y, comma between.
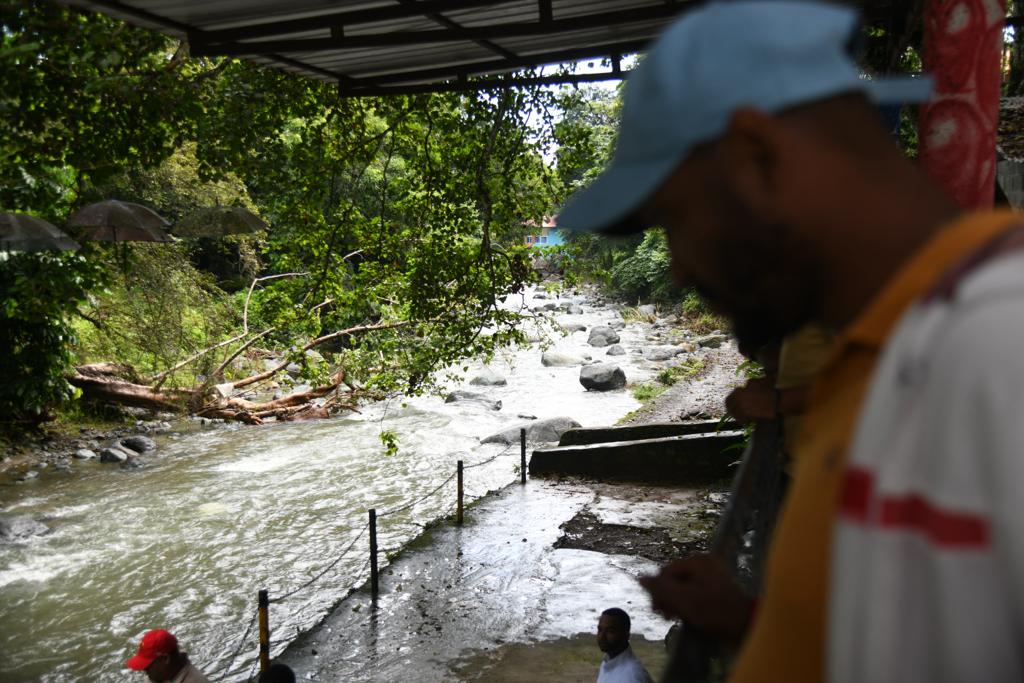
x: 185, y: 542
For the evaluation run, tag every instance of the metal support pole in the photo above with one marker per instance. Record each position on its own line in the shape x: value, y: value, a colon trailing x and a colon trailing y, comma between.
x: 522, y: 456
x: 374, y: 577
x: 458, y: 508
x: 263, y: 603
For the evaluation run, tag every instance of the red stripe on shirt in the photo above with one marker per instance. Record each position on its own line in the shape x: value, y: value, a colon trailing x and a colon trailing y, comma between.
x: 909, y: 512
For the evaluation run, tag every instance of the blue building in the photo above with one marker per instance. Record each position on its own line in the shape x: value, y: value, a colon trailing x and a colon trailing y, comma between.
x: 548, y: 236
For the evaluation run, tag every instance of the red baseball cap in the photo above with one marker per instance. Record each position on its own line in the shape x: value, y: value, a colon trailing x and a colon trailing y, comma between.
x: 155, y: 643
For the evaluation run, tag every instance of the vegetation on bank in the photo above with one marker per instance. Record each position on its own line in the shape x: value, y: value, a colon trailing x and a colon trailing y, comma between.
x: 397, y: 225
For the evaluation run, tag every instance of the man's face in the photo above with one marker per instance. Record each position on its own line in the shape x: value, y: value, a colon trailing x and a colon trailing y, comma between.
x: 751, y: 268
x: 611, y: 637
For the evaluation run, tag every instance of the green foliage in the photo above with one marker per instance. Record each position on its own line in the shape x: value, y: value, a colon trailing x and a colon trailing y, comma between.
x: 688, y: 369
x: 648, y: 391
x: 154, y: 314
x: 388, y: 216
x: 389, y: 439
x: 646, y: 272
x: 698, y: 315
x: 38, y: 295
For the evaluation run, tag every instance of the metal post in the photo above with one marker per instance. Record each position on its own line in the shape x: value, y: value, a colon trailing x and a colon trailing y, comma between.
x: 374, y: 578
x: 458, y: 509
x: 522, y: 456
x: 263, y: 602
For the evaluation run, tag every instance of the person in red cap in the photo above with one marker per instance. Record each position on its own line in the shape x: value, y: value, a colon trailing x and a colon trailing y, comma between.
x: 160, y: 658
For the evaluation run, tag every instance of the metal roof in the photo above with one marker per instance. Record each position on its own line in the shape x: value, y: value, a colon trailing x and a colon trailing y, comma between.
x: 372, y: 47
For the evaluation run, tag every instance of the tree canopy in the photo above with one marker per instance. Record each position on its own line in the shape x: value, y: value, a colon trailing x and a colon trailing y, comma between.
x: 394, y: 221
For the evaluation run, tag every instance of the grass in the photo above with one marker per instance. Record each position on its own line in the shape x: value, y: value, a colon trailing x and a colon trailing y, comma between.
x: 632, y: 314
x: 648, y: 391
x: 688, y: 369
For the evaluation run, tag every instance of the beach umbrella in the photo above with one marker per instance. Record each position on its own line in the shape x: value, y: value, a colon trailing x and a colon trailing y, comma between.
x: 115, y: 221
x: 21, y: 232
x: 219, y: 221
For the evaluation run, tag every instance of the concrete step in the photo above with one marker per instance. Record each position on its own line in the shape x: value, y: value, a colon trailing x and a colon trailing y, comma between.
x: 583, y: 436
x: 684, y: 459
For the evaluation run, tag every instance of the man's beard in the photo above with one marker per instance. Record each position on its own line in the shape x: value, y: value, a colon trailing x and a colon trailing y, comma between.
x: 774, y: 287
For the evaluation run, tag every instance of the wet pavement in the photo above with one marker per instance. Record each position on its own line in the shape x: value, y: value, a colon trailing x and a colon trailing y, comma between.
x: 453, y: 604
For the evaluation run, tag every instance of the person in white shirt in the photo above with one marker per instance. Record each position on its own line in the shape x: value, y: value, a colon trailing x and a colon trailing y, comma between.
x: 619, y: 665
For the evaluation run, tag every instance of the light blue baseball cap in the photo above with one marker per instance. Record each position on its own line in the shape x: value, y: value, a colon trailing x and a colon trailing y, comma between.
x: 767, y: 54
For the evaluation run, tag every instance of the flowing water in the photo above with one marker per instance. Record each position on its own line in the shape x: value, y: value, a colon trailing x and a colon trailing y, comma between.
x: 186, y: 542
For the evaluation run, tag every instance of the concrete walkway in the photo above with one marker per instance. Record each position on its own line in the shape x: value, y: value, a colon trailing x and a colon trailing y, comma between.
x: 495, y: 600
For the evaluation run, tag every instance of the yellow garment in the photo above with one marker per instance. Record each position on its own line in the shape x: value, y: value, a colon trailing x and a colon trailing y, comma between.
x: 800, y: 359
x: 801, y: 356
x: 786, y: 643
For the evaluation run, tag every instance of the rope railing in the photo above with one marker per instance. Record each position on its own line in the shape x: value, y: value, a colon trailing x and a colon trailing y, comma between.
x: 222, y: 672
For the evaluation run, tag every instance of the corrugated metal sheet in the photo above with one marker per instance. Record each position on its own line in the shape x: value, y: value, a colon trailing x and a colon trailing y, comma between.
x: 397, y: 43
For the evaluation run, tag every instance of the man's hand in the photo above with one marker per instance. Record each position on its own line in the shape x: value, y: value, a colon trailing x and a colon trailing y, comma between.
x: 701, y: 591
x: 756, y: 400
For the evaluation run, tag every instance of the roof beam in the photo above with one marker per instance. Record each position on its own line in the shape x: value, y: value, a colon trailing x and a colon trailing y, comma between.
x: 464, y: 85
x: 449, y: 24
x: 476, y: 33
x: 349, y: 18
x: 497, y: 65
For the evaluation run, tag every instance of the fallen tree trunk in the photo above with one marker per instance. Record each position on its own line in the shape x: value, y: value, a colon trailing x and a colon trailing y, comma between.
x: 103, y: 382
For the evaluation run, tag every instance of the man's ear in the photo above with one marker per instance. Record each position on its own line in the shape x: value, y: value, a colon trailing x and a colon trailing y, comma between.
x: 750, y: 152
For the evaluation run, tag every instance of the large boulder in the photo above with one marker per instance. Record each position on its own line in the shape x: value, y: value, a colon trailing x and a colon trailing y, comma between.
x: 139, y: 444
x: 460, y: 396
x: 602, y: 377
x: 711, y: 341
x: 547, y: 430
x: 561, y: 359
x: 602, y: 335
x: 84, y: 454
x: 112, y: 454
x: 20, y: 527
x: 659, y: 353
x: 616, y: 350
x: 571, y: 308
x: 488, y: 378
x: 574, y: 327
x: 647, y: 309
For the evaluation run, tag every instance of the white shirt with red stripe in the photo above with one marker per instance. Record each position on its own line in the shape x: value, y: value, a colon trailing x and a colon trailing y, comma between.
x: 927, y: 573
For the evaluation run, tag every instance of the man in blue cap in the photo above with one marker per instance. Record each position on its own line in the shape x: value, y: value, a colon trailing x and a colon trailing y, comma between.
x: 750, y: 136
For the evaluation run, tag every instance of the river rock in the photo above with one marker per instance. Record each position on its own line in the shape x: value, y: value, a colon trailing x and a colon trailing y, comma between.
x: 224, y: 390
x: 551, y: 307
x: 574, y: 327
x: 688, y: 347
x: 616, y: 350
x: 540, y: 295
x: 488, y: 378
x: 647, y: 309
x: 602, y: 335
x: 460, y: 396
x: 711, y: 341
x: 293, y: 369
x: 659, y: 353
x: 571, y: 308
x: 21, y: 527
x: 84, y: 454
x: 550, y: 429
x: 113, y: 455
x: 602, y: 377
x: 139, y: 444
x: 617, y: 324
x: 131, y: 463
x: 560, y: 359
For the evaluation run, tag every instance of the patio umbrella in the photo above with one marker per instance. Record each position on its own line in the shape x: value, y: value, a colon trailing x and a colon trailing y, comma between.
x: 218, y: 221
x: 21, y: 232
x: 115, y: 221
